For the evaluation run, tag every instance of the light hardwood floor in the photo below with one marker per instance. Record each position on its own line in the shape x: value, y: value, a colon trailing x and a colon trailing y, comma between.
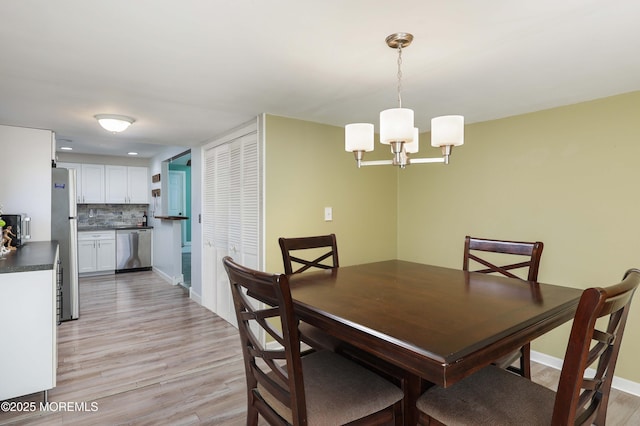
x: 146, y: 354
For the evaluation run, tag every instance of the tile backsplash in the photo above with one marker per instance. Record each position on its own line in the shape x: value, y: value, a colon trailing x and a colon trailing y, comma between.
x: 111, y: 214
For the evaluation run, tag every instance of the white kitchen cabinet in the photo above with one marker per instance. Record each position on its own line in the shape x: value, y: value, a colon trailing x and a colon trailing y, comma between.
x: 92, y: 183
x: 89, y: 181
x: 86, y: 255
x: 26, y: 177
x: 78, y: 168
x: 127, y: 185
x: 96, y: 252
x: 138, y: 182
x: 28, y: 359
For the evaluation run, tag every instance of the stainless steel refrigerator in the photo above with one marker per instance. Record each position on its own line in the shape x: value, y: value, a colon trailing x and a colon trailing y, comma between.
x: 64, y: 229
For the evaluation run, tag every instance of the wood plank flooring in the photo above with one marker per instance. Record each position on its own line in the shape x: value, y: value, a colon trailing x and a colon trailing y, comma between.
x: 143, y: 353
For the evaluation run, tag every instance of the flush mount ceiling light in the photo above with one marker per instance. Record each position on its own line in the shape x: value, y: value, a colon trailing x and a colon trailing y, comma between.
x: 114, y: 123
x: 397, y: 130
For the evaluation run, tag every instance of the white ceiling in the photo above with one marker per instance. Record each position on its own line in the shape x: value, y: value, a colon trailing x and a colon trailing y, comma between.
x: 189, y: 70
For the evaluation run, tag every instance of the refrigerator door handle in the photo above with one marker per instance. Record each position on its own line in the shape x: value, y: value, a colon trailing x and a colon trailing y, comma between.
x: 73, y: 209
x: 73, y: 268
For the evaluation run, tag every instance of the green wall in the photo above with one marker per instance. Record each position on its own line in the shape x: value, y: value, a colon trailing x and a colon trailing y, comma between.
x: 565, y: 176
x: 307, y: 169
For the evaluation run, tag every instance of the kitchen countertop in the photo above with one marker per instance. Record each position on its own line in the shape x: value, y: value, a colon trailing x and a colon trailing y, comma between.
x: 32, y: 256
x: 172, y: 217
x: 90, y: 228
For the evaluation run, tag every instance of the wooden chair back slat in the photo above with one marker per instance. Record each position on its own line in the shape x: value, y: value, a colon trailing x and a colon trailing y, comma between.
x: 294, y: 248
x: 474, y: 246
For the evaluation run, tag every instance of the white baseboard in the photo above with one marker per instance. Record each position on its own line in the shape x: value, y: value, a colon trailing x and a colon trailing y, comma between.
x: 163, y: 275
x: 195, y: 296
x: 173, y: 281
x: 619, y: 383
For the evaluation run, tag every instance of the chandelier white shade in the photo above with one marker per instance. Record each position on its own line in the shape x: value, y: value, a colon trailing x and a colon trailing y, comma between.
x: 359, y: 137
x: 412, y: 147
x: 397, y: 127
x: 447, y: 130
x: 114, y: 123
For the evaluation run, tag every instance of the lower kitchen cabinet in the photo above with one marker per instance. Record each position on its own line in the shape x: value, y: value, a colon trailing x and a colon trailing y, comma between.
x: 96, y: 252
x: 28, y: 354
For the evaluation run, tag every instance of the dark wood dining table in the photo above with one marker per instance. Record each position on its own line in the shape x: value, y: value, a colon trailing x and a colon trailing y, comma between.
x: 437, y: 324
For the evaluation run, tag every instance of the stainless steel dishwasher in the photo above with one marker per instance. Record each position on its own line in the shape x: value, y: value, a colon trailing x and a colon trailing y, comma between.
x: 133, y: 250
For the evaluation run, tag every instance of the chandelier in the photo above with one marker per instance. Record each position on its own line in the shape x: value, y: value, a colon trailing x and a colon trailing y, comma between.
x: 397, y: 129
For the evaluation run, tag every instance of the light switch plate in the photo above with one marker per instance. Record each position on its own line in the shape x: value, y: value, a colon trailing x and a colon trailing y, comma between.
x: 328, y: 214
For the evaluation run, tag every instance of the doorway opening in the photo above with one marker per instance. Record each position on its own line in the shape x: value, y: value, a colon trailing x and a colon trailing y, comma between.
x: 179, y: 204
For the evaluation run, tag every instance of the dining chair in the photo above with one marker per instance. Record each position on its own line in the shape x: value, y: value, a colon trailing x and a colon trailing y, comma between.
x: 497, y: 256
x: 529, y: 256
x: 323, y: 251
x: 497, y: 397
x: 284, y: 387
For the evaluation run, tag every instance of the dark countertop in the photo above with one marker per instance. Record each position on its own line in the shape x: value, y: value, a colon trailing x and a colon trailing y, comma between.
x: 171, y: 217
x: 90, y: 228
x: 32, y: 256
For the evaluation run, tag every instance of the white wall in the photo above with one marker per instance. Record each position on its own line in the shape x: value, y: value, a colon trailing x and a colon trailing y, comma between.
x: 164, y: 261
x: 25, y: 176
x: 167, y: 258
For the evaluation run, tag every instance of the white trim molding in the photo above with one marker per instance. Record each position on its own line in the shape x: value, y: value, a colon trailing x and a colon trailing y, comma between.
x: 619, y: 383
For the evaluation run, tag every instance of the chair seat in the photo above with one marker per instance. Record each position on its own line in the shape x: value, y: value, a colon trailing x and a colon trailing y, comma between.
x: 338, y: 391
x: 494, y: 395
x: 317, y: 338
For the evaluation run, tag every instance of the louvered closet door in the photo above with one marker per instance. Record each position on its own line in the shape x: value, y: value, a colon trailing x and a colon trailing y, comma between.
x: 244, y: 202
x: 231, y: 218
x: 215, y: 207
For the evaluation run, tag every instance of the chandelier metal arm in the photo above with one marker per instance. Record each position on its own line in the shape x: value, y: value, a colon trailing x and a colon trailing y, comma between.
x: 402, y: 162
x: 375, y: 163
x: 428, y: 160
x: 409, y: 161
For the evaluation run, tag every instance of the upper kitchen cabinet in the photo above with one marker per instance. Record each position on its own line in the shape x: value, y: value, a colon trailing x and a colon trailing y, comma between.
x: 127, y: 185
x: 91, y: 183
x: 78, y: 168
x: 26, y: 172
